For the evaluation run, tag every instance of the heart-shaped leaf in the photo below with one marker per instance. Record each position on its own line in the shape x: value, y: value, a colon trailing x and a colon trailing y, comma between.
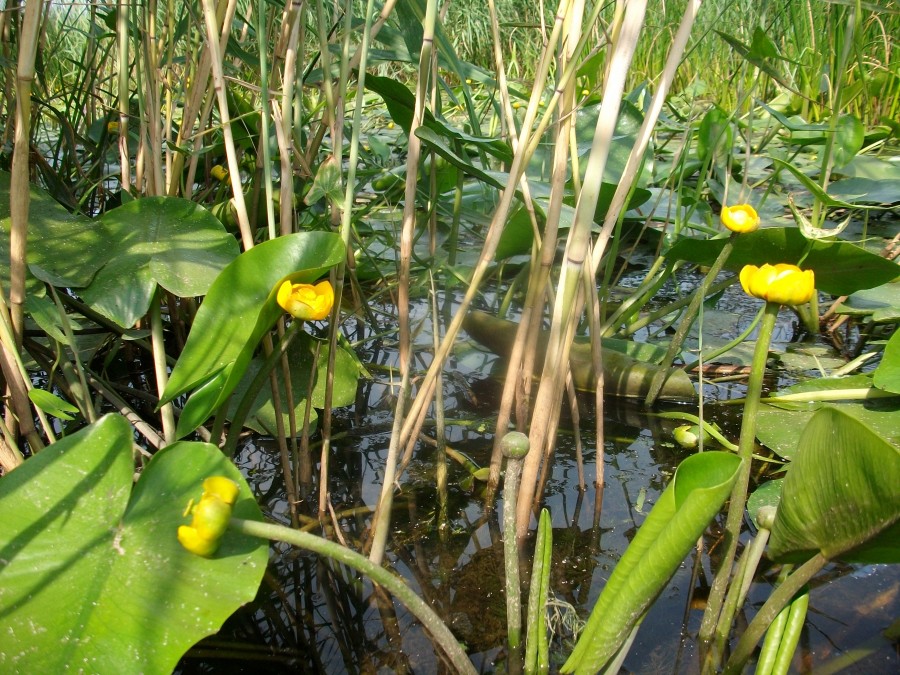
x: 158, y: 240
x: 64, y: 249
x: 840, y: 494
x: 91, y: 571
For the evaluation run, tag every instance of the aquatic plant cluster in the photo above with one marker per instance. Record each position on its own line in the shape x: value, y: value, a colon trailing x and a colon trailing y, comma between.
x: 290, y: 229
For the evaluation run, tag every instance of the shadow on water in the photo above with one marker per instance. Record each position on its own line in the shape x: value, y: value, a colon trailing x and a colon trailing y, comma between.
x: 314, y: 616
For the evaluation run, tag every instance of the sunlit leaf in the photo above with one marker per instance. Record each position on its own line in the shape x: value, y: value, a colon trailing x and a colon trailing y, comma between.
x: 91, y: 572
x: 887, y: 374
x: 840, y: 494
x: 157, y: 240
x: 240, y: 307
x: 701, y: 484
x: 848, y: 139
x: 841, y: 268
x: 52, y: 404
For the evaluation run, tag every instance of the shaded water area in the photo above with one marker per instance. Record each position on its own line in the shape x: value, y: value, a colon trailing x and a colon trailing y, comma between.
x: 312, y: 615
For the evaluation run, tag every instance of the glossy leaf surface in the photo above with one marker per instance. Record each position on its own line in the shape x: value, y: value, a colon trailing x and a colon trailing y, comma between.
x: 840, y: 494
x: 701, y: 484
x: 239, y: 308
x: 92, y: 572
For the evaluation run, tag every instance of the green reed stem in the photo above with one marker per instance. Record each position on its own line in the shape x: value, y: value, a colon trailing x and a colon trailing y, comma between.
x: 515, y: 447
x: 396, y: 586
x: 711, y: 617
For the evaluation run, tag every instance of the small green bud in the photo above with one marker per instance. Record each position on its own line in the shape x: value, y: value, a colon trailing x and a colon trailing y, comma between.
x: 514, y: 445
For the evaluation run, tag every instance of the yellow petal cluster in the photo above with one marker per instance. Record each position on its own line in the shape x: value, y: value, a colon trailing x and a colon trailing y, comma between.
x: 740, y: 218
x: 219, y: 172
x: 210, y: 516
x: 783, y: 284
x: 305, y: 301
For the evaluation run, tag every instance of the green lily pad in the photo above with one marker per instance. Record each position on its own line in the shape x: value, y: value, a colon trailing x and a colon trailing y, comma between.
x: 158, y: 240
x: 64, y: 249
x: 780, y: 425
x: 841, y: 268
x: 91, y: 571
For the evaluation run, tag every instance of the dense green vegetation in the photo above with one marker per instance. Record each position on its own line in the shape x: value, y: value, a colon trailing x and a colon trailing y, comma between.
x: 213, y: 212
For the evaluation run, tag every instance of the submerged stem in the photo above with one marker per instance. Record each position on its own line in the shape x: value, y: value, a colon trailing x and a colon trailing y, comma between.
x: 711, y: 617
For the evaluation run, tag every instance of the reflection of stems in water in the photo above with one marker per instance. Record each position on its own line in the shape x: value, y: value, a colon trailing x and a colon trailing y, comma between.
x: 735, y: 516
x: 687, y: 320
x: 430, y: 620
x: 646, y: 320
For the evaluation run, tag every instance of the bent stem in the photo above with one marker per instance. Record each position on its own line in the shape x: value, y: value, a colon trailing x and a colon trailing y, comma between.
x: 712, y: 622
x: 430, y: 620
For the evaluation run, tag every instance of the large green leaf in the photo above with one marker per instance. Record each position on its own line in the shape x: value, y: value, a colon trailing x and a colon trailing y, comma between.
x: 780, y: 425
x: 91, y: 571
x: 841, y: 268
x: 239, y: 308
x: 400, y: 103
x: 848, y: 139
x: 701, y: 484
x: 158, y: 240
x: 887, y: 374
x: 840, y: 495
x: 64, y: 249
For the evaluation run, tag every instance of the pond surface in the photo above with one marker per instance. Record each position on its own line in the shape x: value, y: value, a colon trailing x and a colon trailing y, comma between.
x: 314, y: 616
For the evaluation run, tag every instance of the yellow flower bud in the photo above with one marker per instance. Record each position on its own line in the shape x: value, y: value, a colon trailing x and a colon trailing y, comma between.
x: 209, y: 516
x: 783, y: 284
x: 219, y: 172
x: 305, y: 301
x: 740, y: 218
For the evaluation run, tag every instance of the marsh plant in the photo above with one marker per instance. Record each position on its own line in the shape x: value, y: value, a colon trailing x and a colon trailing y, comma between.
x: 226, y: 221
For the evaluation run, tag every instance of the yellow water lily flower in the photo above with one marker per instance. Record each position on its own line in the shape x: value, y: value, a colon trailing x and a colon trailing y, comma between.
x: 740, y: 218
x: 783, y: 284
x: 219, y: 172
x: 305, y: 301
x: 209, y: 516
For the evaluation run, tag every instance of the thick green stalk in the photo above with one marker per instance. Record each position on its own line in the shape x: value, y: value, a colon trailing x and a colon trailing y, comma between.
x: 735, y: 516
x: 515, y: 448
x: 167, y: 411
x: 418, y: 607
x: 779, y: 599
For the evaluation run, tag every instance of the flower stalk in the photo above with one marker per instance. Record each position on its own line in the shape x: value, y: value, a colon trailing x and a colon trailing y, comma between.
x: 418, y: 607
